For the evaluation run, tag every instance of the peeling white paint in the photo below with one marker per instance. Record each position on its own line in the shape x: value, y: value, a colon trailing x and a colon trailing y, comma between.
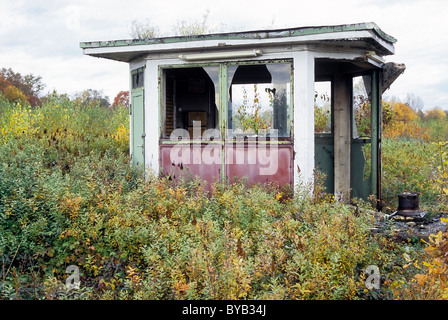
x: 152, y: 115
x: 303, y: 117
x: 234, y: 43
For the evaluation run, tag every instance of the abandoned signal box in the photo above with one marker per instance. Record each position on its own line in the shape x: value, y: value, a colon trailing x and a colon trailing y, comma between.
x: 242, y: 104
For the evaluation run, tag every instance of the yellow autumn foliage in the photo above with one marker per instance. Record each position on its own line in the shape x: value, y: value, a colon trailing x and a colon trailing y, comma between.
x: 20, y: 122
x: 402, y: 112
x: 403, y: 121
x: 436, y: 114
x: 14, y: 94
x: 433, y: 283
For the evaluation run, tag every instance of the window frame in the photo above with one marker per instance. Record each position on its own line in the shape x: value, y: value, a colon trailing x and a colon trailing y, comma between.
x: 280, y: 140
x: 223, y: 99
x: 139, y: 74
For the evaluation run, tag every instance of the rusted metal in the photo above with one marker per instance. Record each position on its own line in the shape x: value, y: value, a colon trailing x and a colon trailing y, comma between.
x: 379, y: 192
x: 408, y: 205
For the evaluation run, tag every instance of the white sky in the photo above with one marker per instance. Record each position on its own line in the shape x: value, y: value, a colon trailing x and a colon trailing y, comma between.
x: 42, y: 37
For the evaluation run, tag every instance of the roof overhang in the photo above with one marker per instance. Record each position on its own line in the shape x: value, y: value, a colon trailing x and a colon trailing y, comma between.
x: 363, y: 36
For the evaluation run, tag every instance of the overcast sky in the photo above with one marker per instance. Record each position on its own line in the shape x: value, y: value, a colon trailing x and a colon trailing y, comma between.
x: 42, y: 37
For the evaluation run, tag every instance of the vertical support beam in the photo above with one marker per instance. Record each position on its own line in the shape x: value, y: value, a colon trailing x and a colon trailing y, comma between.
x: 342, y: 136
x: 376, y: 121
x: 303, y: 115
x: 153, y: 123
x: 223, y: 113
x: 131, y: 148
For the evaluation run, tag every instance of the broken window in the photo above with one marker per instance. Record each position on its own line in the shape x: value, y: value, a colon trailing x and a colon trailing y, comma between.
x: 322, y: 107
x: 361, y: 107
x: 259, y: 99
x: 137, y: 79
x: 191, y: 100
x: 361, y: 124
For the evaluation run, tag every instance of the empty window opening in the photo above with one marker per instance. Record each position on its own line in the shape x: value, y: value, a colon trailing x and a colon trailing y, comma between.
x: 191, y: 100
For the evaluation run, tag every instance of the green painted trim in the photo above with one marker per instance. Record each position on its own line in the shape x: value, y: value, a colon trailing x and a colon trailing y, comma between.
x: 257, y: 62
x: 223, y: 105
x: 222, y: 142
x: 189, y: 65
x: 134, y: 134
x: 291, y: 103
x: 291, y: 83
x: 135, y: 71
x: 160, y: 81
x: 259, y: 34
x: 223, y: 112
x: 275, y: 142
x: 191, y: 141
x: 375, y: 135
x: 379, y: 75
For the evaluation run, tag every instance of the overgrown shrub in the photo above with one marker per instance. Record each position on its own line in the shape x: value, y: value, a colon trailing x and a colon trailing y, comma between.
x: 68, y: 196
x: 409, y: 165
x: 47, y: 154
x: 431, y: 283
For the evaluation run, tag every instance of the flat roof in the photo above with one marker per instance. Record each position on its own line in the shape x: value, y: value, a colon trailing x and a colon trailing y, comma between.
x: 363, y: 34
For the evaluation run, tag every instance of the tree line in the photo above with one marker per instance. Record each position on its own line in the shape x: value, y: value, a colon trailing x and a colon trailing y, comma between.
x: 28, y: 89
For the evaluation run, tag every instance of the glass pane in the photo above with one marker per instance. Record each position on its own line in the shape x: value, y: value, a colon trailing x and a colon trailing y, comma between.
x: 322, y: 107
x: 362, y: 123
x: 137, y: 80
x: 259, y: 99
x: 361, y: 107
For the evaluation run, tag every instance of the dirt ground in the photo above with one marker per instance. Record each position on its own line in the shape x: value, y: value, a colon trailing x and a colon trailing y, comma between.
x: 405, y: 228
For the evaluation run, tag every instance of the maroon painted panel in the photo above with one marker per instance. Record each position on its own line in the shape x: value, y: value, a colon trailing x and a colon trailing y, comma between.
x: 261, y: 163
x: 198, y: 160
x: 258, y: 163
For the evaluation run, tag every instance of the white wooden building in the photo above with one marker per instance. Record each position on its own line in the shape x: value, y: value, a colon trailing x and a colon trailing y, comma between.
x: 242, y: 104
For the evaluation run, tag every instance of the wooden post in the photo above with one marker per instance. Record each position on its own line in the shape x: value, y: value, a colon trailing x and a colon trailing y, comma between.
x: 342, y: 136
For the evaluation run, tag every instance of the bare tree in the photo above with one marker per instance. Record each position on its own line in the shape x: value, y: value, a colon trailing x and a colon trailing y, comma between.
x: 91, y: 97
x: 414, y: 101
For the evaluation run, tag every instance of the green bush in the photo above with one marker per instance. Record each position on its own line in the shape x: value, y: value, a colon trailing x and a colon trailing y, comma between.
x: 437, y: 128
x: 409, y: 165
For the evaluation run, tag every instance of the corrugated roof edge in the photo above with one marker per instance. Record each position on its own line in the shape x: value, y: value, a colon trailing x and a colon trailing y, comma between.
x: 257, y: 34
